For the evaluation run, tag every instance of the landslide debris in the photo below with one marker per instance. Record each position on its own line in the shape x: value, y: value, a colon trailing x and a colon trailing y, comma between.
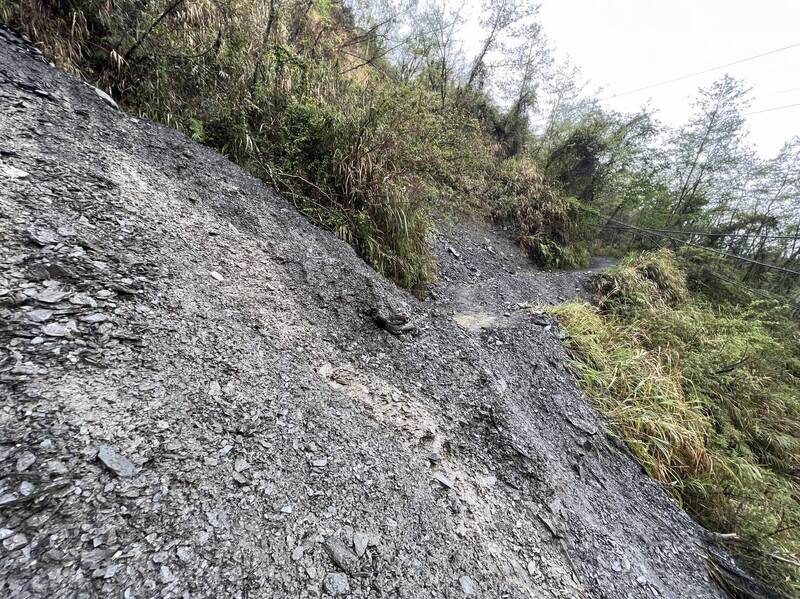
x: 198, y: 398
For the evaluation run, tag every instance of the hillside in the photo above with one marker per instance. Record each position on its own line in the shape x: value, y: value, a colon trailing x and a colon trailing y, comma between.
x: 202, y: 394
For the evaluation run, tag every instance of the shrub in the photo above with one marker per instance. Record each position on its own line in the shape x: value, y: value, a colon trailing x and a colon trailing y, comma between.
x: 716, y: 280
x: 648, y: 280
x: 545, y: 224
x: 706, y: 397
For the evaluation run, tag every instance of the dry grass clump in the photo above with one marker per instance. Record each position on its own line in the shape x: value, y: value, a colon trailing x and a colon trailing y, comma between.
x: 642, y: 392
x: 546, y: 224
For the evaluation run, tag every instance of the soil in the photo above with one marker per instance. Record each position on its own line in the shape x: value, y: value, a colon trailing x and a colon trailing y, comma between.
x: 196, y: 399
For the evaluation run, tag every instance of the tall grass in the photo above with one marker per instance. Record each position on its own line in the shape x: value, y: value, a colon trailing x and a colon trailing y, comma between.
x: 706, y: 395
x: 358, y: 150
x: 544, y: 223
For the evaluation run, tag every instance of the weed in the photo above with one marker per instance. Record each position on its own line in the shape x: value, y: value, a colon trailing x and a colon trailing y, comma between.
x: 544, y: 223
x: 706, y: 397
x: 649, y: 280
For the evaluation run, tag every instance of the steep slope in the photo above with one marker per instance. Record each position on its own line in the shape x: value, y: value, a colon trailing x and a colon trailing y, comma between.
x: 161, y: 306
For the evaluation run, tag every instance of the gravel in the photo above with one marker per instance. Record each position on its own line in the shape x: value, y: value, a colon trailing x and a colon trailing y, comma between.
x: 295, y: 353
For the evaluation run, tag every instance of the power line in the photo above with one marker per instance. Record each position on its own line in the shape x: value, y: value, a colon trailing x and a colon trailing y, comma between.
x: 709, y: 234
x: 787, y: 91
x: 739, y: 284
x: 703, y: 72
x: 766, y: 295
x: 702, y: 247
x: 542, y: 119
x: 720, y: 252
x: 771, y: 109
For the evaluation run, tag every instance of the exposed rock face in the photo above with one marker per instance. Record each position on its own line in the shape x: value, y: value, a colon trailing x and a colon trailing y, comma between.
x: 267, y: 434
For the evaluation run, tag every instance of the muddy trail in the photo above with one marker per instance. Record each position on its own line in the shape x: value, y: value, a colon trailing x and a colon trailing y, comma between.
x: 202, y: 395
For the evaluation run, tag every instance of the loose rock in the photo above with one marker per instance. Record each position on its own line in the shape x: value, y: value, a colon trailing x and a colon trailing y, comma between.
x: 337, y: 584
x: 25, y: 461
x: 55, y: 329
x: 340, y: 554
x: 38, y: 315
x: 468, y: 586
x: 360, y: 542
x: 443, y: 479
x: 117, y: 463
x: 14, y: 542
x: 52, y: 296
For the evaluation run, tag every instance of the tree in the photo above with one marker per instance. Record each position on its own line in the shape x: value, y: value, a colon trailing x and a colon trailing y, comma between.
x: 500, y: 16
x: 528, y: 59
x: 443, y: 23
x: 775, y: 207
x: 708, y: 150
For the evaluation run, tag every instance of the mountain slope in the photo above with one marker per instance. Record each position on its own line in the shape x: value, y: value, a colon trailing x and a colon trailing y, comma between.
x: 198, y: 397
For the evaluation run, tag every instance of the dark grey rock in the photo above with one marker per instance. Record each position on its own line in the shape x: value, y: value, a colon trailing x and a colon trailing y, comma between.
x: 43, y: 236
x: 116, y: 462
x: 14, y: 542
x: 25, y: 460
x: 345, y: 559
x: 52, y: 296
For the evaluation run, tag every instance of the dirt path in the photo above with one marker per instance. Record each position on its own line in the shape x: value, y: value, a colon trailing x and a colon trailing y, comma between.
x: 196, y: 399
x: 487, y: 281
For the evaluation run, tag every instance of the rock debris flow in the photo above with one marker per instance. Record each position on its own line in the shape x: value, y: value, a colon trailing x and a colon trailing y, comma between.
x: 205, y: 396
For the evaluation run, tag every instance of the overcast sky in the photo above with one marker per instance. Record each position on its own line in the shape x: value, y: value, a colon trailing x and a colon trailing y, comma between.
x: 626, y: 44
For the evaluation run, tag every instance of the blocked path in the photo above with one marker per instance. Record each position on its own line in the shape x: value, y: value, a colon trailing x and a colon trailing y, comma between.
x: 196, y: 401
x: 488, y: 282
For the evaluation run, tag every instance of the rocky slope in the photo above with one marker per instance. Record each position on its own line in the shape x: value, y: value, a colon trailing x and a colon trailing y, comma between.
x: 199, y: 395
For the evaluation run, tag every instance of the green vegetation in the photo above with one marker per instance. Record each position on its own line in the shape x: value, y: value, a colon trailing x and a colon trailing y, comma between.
x: 544, y: 223
x: 651, y: 280
x: 306, y: 98
x: 372, y: 118
x: 705, y: 394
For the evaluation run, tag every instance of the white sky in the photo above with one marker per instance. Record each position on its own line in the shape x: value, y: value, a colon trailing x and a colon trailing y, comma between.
x: 621, y: 45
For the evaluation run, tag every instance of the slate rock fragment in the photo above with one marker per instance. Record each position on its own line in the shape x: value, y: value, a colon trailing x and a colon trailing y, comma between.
x: 116, y: 462
x: 337, y: 584
x: 340, y: 554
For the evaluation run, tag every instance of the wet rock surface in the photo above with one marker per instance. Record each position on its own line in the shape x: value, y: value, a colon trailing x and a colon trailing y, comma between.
x: 202, y: 395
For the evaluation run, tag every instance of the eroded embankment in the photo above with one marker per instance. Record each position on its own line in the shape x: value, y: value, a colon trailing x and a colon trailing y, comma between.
x: 197, y: 400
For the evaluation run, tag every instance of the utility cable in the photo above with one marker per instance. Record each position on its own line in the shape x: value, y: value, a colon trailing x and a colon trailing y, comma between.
x: 708, y: 249
x: 703, y: 72
x: 710, y: 234
x: 702, y: 247
x: 771, y: 109
x: 747, y: 288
